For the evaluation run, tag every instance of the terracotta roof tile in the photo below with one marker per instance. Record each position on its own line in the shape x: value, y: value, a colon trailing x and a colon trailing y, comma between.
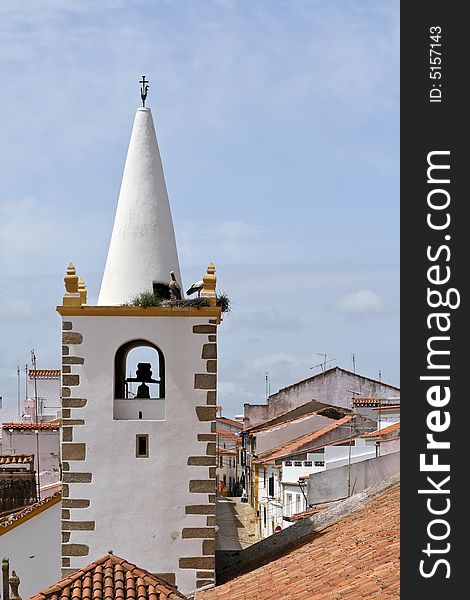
x: 16, y: 459
x: 31, y: 426
x: 44, y: 373
x: 383, y: 432
x: 110, y: 578
x: 230, y: 422
x: 376, y: 402
x: 294, y: 445
x: 356, y: 558
x: 230, y: 435
x: 11, y: 520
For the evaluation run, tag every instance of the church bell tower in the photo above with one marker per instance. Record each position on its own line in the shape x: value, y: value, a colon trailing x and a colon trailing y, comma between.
x: 139, y: 394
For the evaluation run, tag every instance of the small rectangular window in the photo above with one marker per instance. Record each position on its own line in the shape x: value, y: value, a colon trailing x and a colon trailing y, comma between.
x: 142, y: 445
x: 297, y: 463
x: 288, y: 463
x: 307, y: 463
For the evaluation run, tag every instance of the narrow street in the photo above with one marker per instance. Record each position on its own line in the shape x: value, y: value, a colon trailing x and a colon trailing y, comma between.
x: 236, y: 523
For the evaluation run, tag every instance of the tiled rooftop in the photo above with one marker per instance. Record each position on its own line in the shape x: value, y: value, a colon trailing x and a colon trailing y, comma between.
x: 44, y: 373
x: 384, y: 431
x: 31, y: 426
x: 13, y: 519
x: 109, y: 578
x: 230, y: 435
x: 302, y: 441
x: 230, y: 422
x: 16, y: 459
x: 354, y: 559
x: 376, y: 402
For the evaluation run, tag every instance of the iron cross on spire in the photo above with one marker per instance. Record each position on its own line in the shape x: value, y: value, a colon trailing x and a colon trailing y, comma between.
x: 144, y: 88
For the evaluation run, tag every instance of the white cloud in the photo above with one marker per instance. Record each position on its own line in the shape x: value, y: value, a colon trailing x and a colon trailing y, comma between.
x: 362, y: 302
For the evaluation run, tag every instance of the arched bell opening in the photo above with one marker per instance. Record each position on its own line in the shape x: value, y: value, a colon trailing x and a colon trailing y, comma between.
x: 139, y: 382
x: 139, y: 371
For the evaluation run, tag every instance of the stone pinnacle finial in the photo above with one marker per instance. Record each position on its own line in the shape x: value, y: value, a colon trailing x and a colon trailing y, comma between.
x: 72, y: 295
x: 210, y: 281
x: 82, y: 290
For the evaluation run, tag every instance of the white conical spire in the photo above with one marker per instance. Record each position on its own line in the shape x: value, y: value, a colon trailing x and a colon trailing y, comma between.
x: 143, y: 246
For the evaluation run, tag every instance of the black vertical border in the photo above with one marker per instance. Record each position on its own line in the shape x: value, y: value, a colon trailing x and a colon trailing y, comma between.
x: 427, y: 127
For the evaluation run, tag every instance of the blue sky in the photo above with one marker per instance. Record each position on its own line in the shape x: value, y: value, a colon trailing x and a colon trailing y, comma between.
x: 278, y: 128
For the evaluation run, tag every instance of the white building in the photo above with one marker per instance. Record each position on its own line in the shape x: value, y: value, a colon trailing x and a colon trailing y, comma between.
x: 30, y: 538
x: 138, y: 451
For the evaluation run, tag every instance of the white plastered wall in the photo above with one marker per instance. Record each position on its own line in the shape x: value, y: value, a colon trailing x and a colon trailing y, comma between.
x: 138, y: 504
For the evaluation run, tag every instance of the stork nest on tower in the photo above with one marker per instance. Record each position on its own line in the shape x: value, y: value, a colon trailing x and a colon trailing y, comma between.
x: 148, y: 299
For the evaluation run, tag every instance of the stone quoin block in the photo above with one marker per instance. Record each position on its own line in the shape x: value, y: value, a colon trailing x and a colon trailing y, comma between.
x: 78, y: 525
x: 201, y: 461
x: 205, y: 574
x: 197, y: 562
x: 66, y: 369
x: 65, y: 466
x: 65, y: 514
x: 67, y: 434
x: 211, y: 497
x: 197, y: 532
x: 210, y: 521
x: 65, y: 392
x: 65, y: 561
x: 208, y: 547
x: 72, y: 360
x: 73, y: 451
x: 212, y: 320
x: 72, y: 503
x: 71, y: 337
x: 201, y: 486
x: 71, y: 380
x: 75, y: 550
x: 200, y: 583
x: 209, y: 351
x: 214, y: 427
x: 77, y: 477
x: 211, y: 398
x: 204, y: 328
x: 65, y: 414
x: 205, y: 381
x: 200, y: 509
x: 65, y: 350
x: 211, y: 366
x: 65, y: 491
x: 211, y: 449
x: 72, y: 421
x: 74, y: 402
x: 212, y: 338
x: 212, y: 472
x: 206, y: 437
x: 168, y: 577
x: 206, y: 413
x: 67, y: 325
x: 65, y: 537
x: 68, y: 572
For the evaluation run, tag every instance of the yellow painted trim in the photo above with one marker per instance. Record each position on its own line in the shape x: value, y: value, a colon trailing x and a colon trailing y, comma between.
x: 138, y: 311
x: 30, y: 515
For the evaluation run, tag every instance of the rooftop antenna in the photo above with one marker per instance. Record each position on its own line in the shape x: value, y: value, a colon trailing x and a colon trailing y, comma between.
x: 18, y: 371
x: 144, y: 88
x: 268, y: 385
x: 380, y: 376
x: 322, y: 364
x: 353, y: 362
x: 36, y: 420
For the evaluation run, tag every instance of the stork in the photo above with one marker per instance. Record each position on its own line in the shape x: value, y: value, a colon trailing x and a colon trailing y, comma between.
x: 174, y: 286
x: 196, y: 287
